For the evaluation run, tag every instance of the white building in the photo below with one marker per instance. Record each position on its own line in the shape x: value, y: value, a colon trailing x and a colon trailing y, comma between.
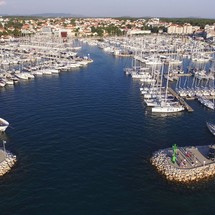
x: 180, y: 29
x: 187, y: 28
x: 137, y: 31
x: 46, y: 30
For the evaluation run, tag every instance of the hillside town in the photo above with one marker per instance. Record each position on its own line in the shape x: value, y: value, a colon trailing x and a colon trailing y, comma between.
x: 12, y: 27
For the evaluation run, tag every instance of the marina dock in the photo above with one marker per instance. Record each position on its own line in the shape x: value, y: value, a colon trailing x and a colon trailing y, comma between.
x: 181, y: 100
x: 184, y: 75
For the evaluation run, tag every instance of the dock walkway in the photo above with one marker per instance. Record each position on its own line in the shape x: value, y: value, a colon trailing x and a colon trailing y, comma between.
x: 181, y: 100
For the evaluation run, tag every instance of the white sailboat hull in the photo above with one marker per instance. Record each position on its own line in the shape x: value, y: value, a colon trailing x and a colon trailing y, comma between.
x: 211, y: 127
x: 167, y: 109
x: 3, y: 125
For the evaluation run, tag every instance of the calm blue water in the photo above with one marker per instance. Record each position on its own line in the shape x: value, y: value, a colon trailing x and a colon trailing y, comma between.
x: 84, y: 140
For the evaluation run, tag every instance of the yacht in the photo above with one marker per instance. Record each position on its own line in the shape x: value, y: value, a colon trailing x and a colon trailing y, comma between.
x: 3, y: 125
x: 168, y: 107
x: 211, y: 127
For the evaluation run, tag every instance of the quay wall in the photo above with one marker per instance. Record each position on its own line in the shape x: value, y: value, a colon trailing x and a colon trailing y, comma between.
x: 162, y: 163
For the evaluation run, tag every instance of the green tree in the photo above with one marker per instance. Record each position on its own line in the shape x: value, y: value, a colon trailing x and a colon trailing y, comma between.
x: 93, y: 29
x: 73, y: 21
x: 16, y: 33
x: 100, y: 32
x: 129, y: 26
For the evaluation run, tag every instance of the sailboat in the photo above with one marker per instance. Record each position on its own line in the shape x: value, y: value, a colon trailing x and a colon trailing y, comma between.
x: 165, y: 105
x: 3, y: 125
x: 211, y: 127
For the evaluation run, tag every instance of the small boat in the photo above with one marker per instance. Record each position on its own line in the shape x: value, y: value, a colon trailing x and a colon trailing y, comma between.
x: 46, y: 72
x: 24, y: 75
x: 168, y: 107
x: 211, y: 127
x: 3, y: 125
x: 2, y: 83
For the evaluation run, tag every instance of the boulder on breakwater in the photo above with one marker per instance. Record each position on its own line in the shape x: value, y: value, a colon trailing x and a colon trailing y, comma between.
x: 7, y: 161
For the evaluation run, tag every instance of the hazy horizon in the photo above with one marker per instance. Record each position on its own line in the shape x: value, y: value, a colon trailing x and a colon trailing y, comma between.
x: 112, y: 8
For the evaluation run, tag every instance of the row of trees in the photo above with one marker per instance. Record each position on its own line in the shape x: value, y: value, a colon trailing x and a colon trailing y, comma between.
x: 13, y: 23
x: 111, y: 30
x: 15, y: 33
x: 193, y: 21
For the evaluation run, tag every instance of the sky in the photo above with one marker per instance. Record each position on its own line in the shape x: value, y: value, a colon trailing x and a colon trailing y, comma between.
x: 112, y: 8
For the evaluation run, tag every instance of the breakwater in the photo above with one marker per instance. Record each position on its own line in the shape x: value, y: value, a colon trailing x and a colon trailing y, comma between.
x: 188, y: 168
x: 7, y: 161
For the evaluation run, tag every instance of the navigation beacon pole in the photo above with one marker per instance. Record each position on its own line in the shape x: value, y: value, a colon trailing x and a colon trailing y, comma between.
x: 174, y: 147
x: 4, y: 142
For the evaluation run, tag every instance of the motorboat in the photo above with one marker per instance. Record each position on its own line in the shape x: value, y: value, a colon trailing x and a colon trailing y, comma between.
x: 3, y: 125
x: 167, y: 109
x: 211, y: 127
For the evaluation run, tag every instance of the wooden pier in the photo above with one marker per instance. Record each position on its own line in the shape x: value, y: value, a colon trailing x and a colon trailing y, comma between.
x: 184, y: 74
x: 181, y: 100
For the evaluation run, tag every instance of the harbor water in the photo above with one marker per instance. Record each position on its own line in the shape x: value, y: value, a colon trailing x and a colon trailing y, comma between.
x: 84, y: 139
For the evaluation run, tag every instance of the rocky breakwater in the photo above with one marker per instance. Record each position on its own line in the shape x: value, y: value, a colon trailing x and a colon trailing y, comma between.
x: 7, y: 161
x: 195, y: 169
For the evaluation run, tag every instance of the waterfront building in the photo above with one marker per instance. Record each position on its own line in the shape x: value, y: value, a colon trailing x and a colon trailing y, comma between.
x: 138, y: 32
x: 180, y: 29
x: 187, y: 28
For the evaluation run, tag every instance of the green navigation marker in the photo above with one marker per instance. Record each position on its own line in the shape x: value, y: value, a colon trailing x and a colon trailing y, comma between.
x: 174, y: 147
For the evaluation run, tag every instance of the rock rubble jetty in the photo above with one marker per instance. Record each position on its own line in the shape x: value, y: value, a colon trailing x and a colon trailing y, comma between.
x: 185, y: 164
x: 7, y: 161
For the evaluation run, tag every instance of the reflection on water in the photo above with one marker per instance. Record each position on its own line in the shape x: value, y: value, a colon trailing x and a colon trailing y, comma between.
x: 7, y: 88
x: 166, y: 115
x: 4, y: 136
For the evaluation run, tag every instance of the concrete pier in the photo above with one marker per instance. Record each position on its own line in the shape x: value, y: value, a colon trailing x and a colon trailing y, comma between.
x: 184, y: 75
x: 181, y: 100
